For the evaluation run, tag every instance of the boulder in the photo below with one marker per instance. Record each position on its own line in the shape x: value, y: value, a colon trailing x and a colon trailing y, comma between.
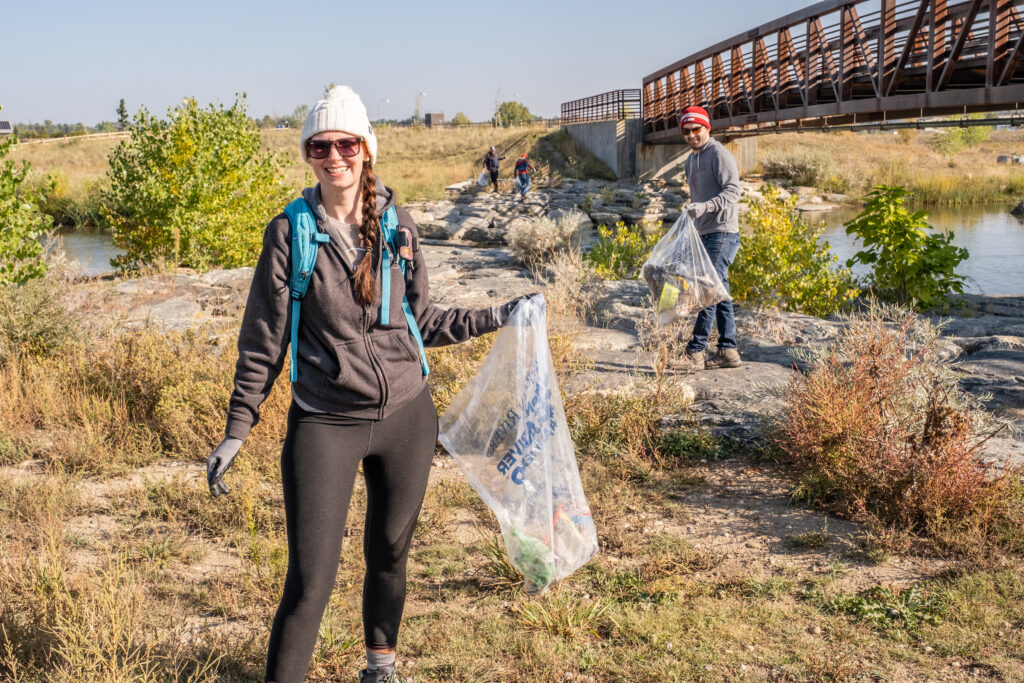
x: 438, y: 230
x: 603, y: 218
x: 483, y: 235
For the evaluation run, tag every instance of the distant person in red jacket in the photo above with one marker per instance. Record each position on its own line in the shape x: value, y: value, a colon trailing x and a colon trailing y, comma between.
x: 523, y: 169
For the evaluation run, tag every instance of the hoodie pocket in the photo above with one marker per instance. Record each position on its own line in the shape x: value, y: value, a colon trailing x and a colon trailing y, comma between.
x: 355, y: 370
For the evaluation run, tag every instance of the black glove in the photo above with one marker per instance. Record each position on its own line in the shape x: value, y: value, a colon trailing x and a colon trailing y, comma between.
x: 220, y: 462
x: 504, y: 312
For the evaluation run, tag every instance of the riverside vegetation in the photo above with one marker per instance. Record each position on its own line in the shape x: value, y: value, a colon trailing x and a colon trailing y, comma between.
x: 116, y: 565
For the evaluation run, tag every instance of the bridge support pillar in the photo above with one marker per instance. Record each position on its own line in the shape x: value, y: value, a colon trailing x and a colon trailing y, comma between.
x: 617, y: 144
x: 665, y: 161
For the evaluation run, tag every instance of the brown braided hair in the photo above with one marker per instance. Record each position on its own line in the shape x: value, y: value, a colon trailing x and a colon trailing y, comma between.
x: 369, y: 236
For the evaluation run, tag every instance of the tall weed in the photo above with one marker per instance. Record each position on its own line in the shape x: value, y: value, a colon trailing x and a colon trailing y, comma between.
x: 538, y: 240
x: 34, y: 321
x: 878, y: 429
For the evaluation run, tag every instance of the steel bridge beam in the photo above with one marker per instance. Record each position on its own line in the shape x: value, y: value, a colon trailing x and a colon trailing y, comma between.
x: 848, y: 62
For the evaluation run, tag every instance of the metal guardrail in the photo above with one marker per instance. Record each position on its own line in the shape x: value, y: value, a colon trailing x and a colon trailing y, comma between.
x: 843, y: 62
x: 610, y: 106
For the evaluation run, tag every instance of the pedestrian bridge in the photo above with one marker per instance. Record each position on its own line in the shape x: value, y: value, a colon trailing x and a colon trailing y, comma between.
x: 843, y: 62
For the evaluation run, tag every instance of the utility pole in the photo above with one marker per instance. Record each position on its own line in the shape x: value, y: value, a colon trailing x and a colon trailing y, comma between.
x: 416, y: 115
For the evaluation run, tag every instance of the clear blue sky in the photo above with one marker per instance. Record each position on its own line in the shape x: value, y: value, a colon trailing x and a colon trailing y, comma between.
x: 72, y: 62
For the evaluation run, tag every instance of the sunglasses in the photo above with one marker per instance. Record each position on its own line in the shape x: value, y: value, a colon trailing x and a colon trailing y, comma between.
x: 321, y: 149
x: 692, y: 131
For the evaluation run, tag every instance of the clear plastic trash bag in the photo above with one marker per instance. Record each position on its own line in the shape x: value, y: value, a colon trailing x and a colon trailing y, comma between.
x: 507, y: 431
x: 483, y: 179
x: 517, y: 184
x: 680, y: 274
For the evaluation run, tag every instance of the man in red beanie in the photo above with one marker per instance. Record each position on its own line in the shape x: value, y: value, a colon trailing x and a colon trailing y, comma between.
x: 714, y: 184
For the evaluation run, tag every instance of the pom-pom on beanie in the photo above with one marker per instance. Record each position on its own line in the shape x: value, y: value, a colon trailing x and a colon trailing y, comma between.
x: 340, y: 110
x: 698, y: 115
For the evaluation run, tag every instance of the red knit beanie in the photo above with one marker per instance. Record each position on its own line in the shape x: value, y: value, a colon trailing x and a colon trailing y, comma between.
x: 698, y: 115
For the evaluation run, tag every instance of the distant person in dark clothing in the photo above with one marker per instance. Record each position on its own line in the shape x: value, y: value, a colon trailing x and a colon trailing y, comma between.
x: 523, y: 168
x: 491, y: 165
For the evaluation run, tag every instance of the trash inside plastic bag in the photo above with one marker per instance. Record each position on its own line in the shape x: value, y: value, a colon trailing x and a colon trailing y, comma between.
x: 517, y: 184
x: 680, y: 274
x: 483, y: 179
x: 507, y: 431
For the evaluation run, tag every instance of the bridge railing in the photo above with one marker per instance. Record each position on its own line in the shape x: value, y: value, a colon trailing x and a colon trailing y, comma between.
x: 849, y: 61
x: 609, y: 106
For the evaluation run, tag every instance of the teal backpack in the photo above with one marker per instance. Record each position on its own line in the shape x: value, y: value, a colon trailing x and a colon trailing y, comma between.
x: 306, y: 241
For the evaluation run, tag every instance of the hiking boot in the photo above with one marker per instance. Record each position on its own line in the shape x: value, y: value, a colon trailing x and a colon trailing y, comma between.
x: 382, y: 677
x: 724, y: 358
x: 690, y: 362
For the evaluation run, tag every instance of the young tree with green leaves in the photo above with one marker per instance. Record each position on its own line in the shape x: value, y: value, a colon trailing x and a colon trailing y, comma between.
x: 21, y: 221
x: 910, y: 265
x: 193, y: 190
x: 782, y: 264
x: 512, y: 114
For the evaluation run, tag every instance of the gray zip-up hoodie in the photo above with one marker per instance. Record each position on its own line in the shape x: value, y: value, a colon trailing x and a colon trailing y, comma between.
x: 714, y: 179
x: 348, y: 362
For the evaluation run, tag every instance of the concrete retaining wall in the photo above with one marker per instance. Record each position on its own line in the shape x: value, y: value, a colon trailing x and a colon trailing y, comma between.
x: 612, y: 142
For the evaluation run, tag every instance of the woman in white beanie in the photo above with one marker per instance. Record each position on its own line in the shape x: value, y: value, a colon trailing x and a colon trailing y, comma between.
x: 359, y: 391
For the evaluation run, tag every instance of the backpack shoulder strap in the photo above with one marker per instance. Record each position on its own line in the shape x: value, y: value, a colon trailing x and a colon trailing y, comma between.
x: 305, y: 242
x: 390, y: 232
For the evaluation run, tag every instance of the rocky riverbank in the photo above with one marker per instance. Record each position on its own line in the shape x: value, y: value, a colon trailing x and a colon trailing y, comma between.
x: 986, y: 340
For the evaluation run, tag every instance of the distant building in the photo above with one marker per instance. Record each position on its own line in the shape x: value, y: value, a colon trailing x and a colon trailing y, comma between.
x: 434, y: 119
x: 6, y: 128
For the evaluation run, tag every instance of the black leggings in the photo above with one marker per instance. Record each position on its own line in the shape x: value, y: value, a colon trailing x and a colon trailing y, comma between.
x: 318, y: 468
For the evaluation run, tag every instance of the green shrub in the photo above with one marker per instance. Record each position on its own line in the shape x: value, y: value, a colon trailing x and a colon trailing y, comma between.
x: 954, y: 140
x: 33, y: 321
x: 781, y: 263
x: 194, y: 190
x: 909, y: 264
x: 619, y: 253
x: 21, y: 221
x: 72, y: 207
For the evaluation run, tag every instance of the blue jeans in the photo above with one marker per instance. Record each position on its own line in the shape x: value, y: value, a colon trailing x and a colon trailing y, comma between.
x: 721, y: 248
x: 524, y: 182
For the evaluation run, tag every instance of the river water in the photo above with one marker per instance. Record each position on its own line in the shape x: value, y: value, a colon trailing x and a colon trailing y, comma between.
x: 994, y: 239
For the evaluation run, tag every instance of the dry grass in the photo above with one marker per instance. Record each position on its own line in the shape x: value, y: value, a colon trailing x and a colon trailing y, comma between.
x: 855, y: 162
x: 116, y: 565
x: 418, y: 162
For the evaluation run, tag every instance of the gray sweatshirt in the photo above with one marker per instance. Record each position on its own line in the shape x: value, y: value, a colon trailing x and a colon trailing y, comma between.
x: 348, y: 362
x: 713, y: 179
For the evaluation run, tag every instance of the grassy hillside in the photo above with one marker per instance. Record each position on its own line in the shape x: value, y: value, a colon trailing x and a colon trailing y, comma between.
x: 417, y: 162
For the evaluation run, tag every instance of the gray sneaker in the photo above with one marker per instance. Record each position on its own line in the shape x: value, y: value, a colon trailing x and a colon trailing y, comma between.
x: 382, y: 677
x: 689, y: 362
x: 724, y: 358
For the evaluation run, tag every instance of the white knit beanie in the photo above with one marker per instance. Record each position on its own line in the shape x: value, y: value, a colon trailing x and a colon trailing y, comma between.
x: 341, y: 110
